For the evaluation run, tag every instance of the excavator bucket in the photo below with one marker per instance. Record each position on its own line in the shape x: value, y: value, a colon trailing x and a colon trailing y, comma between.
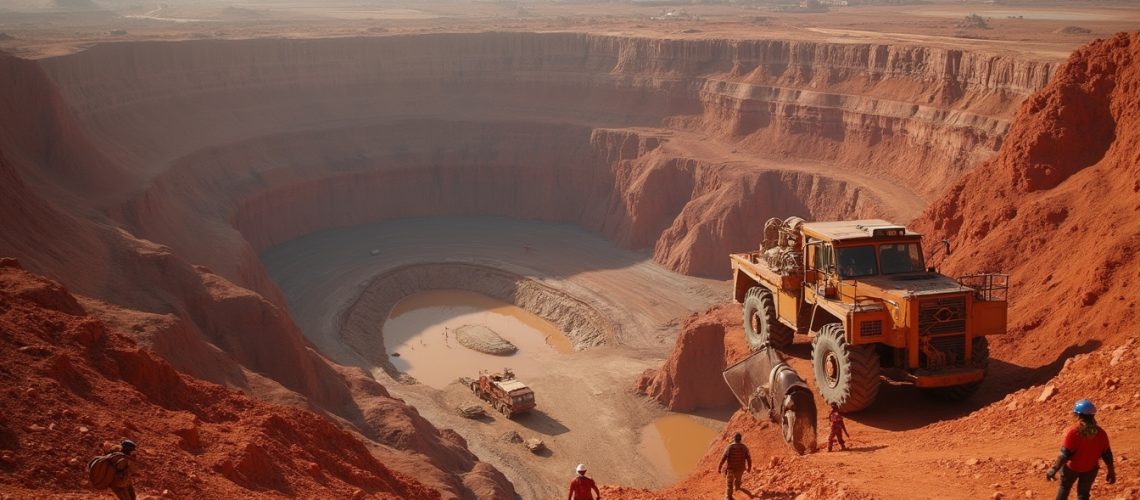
x: 771, y: 390
x: 746, y: 376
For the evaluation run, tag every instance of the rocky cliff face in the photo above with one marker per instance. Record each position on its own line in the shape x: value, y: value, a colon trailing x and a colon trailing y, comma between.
x: 1057, y: 208
x: 267, y: 131
x: 691, y: 378
x: 76, y: 385
x: 203, y: 323
x: 148, y: 176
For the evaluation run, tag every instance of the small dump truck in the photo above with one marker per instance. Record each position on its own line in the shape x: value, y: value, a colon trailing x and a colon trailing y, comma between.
x: 865, y: 293
x: 505, y: 393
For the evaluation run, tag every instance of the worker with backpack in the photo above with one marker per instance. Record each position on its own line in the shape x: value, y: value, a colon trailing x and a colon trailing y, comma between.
x: 113, y: 471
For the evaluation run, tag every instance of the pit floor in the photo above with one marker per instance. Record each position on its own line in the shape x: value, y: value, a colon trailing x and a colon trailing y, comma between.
x: 588, y: 412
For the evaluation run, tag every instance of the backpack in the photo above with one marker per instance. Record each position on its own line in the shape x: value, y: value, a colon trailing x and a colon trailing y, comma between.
x: 101, y: 470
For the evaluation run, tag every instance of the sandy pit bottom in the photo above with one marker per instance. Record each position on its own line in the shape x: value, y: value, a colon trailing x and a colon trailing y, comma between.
x: 587, y: 411
x: 421, y: 329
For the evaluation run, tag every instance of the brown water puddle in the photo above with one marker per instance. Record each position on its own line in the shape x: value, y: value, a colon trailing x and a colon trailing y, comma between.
x: 675, y: 443
x: 421, y: 327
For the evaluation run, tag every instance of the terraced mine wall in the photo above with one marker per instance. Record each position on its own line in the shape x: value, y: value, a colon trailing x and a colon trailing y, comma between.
x: 150, y: 175
x: 259, y: 141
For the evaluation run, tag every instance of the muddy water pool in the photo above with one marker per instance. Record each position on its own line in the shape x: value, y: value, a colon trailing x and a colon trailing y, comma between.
x: 676, y: 442
x: 421, y: 330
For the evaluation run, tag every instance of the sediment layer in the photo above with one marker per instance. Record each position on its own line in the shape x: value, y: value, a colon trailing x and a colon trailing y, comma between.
x: 150, y: 175
x: 244, y: 123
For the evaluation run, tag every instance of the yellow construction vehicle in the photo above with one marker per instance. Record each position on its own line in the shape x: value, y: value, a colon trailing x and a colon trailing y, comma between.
x: 863, y: 291
x: 506, y: 394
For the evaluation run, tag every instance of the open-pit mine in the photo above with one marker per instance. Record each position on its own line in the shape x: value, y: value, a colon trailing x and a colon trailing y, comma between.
x: 273, y: 243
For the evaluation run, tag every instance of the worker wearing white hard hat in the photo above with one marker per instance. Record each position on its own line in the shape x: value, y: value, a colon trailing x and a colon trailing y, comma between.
x: 582, y: 487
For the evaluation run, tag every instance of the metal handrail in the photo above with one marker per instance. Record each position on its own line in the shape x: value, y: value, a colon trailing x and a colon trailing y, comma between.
x: 987, y: 286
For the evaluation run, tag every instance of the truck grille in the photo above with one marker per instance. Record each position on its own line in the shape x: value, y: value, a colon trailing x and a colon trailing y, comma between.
x: 941, y: 316
x: 952, y: 346
x: 871, y: 328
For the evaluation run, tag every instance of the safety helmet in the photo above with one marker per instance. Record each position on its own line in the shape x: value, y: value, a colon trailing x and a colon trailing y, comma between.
x: 1084, y: 407
x: 581, y: 468
x: 128, y: 445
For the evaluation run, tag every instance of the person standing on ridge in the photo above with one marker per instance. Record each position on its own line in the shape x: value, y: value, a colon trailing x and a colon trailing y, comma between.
x: 581, y: 486
x: 838, y: 428
x: 121, y: 485
x: 738, y: 459
x: 1084, y: 445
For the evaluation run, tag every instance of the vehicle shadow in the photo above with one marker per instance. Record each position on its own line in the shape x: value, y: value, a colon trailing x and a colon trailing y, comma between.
x: 772, y: 495
x: 863, y: 449
x: 902, y: 407
x: 538, y: 421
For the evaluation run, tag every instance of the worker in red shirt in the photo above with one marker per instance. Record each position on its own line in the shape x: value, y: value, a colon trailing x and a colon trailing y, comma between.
x: 838, y: 428
x: 581, y: 486
x: 1083, y: 447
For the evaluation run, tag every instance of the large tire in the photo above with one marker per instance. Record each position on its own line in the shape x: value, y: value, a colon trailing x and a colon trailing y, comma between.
x: 981, y: 348
x: 760, y: 323
x: 794, y: 432
x: 845, y: 375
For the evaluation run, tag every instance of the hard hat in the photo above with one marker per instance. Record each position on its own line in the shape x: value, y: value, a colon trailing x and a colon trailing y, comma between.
x: 128, y: 445
x: 1084, y: 407
x: 581, y: 468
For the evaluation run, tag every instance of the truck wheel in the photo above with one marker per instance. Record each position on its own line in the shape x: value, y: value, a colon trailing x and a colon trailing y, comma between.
x: 760, y: 324
x: 981, y: 348
x: 793, y: 431
x: 788, y: 425
x: 506, y: 411
x: 846, y: 375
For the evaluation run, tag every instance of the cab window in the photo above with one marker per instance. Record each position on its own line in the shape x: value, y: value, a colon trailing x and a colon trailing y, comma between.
x: 900, y: 258
x: 857, y: 261
x: 823, y: 257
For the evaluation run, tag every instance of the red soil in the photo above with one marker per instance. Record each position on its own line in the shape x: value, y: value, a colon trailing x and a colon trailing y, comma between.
x: 907, y: 443
x: 1040, y: 209
x: 690, y: 378
x: 199, y: 322
x: 1058, y: 209
x: 74, y: 385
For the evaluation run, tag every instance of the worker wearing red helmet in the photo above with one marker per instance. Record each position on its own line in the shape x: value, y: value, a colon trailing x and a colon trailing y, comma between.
x: 1085, y: 444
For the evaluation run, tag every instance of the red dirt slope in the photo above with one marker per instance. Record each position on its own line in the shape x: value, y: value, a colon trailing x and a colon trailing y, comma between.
x: 201, y: 323
x: 73, y: 386
x: 1059, y: 208
x: 908, y: 443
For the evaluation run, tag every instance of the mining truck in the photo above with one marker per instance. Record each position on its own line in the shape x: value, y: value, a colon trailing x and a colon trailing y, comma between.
x: 863, y: 291
x: 505, y: 393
